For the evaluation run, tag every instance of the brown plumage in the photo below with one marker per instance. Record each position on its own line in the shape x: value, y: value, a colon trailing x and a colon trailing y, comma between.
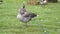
x: 25, y: 16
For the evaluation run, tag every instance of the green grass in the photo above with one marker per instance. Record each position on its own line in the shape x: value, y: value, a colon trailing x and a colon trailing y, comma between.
x: 49, y: 17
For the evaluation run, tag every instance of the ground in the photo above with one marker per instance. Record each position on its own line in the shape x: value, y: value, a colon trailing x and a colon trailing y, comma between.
x: 49, y: 17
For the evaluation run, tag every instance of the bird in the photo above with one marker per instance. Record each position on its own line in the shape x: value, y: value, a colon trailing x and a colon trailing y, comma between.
x: 1, y: 1
x: 43, y: 2
x: 25, y: 16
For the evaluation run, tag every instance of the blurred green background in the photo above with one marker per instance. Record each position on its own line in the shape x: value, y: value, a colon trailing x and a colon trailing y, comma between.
x: 49, y: 17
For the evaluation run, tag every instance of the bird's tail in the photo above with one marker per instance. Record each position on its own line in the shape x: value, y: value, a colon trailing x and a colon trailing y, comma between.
x: 33, y: 15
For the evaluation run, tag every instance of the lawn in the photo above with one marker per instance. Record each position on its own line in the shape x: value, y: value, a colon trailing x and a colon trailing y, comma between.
x: 49, y: 17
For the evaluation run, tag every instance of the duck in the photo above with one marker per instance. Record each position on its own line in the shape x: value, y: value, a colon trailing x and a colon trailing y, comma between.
x: 1, y: 1
x: 25, y: 16
x: 43, y: 2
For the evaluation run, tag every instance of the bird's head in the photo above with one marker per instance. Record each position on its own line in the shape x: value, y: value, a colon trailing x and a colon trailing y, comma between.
x: 23, y: 5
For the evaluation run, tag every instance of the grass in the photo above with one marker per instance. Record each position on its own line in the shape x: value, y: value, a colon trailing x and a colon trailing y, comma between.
x: 49, y: 17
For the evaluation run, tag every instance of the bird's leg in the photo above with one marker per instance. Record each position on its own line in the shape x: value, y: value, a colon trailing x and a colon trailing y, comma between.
x: 44, y: 5
x: 25, y: 25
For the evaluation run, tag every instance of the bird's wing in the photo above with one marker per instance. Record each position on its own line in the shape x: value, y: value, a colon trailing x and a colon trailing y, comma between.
x: 26, y: 14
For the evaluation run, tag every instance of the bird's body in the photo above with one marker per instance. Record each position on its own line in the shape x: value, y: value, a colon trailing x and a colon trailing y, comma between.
x: 1, y: 1
x: 23, y: 19
x: 25, y: 16
x: 43, y: 2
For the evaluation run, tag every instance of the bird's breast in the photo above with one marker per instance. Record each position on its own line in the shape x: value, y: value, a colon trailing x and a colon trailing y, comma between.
x: 19, y: 16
